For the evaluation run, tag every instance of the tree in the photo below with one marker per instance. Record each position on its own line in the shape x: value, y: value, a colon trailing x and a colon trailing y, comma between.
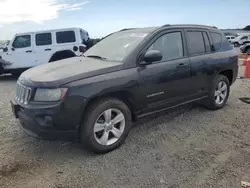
x: 247, y: 28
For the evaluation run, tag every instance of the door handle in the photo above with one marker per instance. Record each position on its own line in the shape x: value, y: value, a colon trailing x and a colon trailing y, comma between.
x: 28, y: 51
x: 47, y: 49
x: 182, y: 65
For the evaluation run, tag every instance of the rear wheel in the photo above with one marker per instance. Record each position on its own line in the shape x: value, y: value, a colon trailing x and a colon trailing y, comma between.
x: 219, y: 93
x: 106, y: 125
x: 248, y: 51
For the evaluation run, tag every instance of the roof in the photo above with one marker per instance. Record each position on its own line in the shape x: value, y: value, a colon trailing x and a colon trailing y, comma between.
x: 151, y: 29
x: 50, y: 30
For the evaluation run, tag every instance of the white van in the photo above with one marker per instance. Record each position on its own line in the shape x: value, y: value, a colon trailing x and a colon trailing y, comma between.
x: 27, y: 50
x: 240, y: 40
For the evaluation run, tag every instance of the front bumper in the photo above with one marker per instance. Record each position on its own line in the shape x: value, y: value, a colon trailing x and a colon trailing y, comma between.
x: 46, y: 123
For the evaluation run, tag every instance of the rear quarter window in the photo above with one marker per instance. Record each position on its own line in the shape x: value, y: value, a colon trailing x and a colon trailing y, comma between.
x: 217, y: 39
x: 65, y: 37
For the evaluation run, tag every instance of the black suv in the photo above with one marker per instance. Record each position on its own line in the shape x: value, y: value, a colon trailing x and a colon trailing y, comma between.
x: 128, y: 74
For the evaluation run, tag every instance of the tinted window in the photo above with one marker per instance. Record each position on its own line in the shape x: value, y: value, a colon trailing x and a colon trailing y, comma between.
x: 217, y: 38
x: 22, y: 41
x: 207, y: 43
x: 232, y: 37
x: 170, y: 45
x: 43, y: 39
x: 65, y: 37
x: 245, y: 37
x: 195, y: 42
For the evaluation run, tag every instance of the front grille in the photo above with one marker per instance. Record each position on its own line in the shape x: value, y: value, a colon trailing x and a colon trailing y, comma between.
x: 23, y: 93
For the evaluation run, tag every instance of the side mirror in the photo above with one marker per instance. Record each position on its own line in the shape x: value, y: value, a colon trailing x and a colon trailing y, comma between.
x: 13, y: 49
x: 5, y: 49
x: 151, y: 56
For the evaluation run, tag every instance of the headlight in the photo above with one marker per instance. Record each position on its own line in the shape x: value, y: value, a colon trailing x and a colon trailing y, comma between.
x: 50, y: 94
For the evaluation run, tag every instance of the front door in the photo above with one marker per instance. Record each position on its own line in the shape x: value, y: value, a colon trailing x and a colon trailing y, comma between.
x: 20, y: 53
x: 167, y: 82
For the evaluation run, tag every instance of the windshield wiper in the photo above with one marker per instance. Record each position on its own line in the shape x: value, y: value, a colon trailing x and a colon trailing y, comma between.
x: 97, y: 57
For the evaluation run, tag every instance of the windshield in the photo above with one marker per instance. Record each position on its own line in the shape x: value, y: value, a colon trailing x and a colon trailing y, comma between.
x: 117, y: 46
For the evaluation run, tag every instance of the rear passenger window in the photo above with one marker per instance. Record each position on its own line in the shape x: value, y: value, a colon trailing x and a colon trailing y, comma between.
x: 170, y: 45
x: 65, y: 37
x: 217, y: 39
x: 207, y: 43
x: 195, y: 43
x: 43, y: 39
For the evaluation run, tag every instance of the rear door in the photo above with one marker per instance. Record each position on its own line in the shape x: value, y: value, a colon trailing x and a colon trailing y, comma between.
x: 43, y: 48
x: 199, y: 51
x: 167, y: 81
x: 66, y: 40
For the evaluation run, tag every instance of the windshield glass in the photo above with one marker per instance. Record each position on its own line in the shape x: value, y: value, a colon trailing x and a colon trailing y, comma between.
x: 117, y: 46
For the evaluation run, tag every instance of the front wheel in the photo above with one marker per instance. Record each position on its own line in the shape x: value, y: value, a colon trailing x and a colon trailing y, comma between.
x: 219, y: 93
x: 236, y: 44
x: 106, y: 125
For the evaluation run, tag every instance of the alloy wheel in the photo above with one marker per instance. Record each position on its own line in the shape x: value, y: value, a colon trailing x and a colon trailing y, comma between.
x: 109, y: 127
x: 221, y: 92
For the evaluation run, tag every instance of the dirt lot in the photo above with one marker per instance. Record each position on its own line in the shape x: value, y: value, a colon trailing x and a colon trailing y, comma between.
x: 186, y: 147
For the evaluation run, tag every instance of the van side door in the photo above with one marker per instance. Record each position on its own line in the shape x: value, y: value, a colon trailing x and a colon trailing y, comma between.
x: 43, y: 47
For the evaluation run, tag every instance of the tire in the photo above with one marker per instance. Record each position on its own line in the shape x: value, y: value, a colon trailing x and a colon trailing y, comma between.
x: 248, y: 50
x: 236, y: 44
x: 211, y: 102
x: 1, y: 70
x: 16, y: 74
x: 98, y: 111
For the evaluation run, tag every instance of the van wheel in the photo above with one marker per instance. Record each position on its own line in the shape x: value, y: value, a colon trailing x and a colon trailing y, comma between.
x: 219, y: 93
x: 236, y: 44
x: 106, y: 125
x: 248, y: 51
x: 1, y: 70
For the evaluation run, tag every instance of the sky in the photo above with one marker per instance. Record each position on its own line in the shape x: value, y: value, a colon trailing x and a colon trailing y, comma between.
x: 101, y: 17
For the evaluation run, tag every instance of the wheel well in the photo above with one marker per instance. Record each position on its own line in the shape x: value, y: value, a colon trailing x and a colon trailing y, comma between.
x: 124, y: 96
x: 62, y: 55
x: 228, y: 74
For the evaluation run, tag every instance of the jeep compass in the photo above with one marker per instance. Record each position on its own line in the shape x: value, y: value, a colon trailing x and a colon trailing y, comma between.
x: 127, y: 75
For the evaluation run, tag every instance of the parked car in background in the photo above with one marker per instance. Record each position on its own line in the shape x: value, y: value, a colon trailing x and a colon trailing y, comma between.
x: 230, y: 38
x: 127, y: 75
x: 30, y: 49
x: 245, y: 48
x: 240, y: 40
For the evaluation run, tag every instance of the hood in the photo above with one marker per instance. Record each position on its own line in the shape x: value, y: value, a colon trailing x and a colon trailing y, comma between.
x: 64, y: 71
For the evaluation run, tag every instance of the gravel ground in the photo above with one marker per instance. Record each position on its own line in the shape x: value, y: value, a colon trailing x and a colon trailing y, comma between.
x: 186, y: 147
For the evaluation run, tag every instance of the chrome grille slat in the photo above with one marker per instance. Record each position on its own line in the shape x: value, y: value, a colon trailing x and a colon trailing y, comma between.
x: 23, y: 93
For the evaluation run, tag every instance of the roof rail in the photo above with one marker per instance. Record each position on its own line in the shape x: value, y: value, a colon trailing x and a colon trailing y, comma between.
x: 127, y: 29
x: 166, y: 25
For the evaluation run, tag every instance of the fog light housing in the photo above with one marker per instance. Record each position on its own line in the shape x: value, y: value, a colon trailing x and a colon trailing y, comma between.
x: 45, y: 121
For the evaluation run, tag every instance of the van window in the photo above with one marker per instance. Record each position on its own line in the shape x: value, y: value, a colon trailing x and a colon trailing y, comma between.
x: 22, y: 41
x: 65, y: 37
x: 217, y: 39
x: 195, y: 43
x: 170, y: 45
x: 43, y: 39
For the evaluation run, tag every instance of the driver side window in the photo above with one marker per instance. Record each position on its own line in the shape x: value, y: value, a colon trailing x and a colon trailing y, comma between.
x: 170, y: 45
x: 22, y: 41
